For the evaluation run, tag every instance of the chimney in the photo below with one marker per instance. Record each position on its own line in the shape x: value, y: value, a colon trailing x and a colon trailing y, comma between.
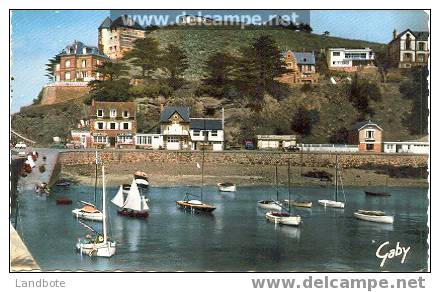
x: 394, y: 34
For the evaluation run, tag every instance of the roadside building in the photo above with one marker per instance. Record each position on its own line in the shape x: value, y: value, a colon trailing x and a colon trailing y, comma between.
x: 113, y: 124
x: 349, y: 60
x: 149, y: 141
x: 420, y: 146
x: 174, y: 127
x: 207, y: 133
x: 81, y: 137
x: 77, y: 63
x: 408, y: 49
x: 275, y: 141
x: 115, y: 37
x: 302, y: 66
x: 368, y: 135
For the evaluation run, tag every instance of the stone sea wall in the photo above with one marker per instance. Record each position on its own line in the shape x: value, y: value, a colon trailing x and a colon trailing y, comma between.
x: 251, y: 158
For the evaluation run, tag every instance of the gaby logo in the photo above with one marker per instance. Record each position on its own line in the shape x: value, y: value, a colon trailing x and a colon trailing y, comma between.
x: 381, y: 252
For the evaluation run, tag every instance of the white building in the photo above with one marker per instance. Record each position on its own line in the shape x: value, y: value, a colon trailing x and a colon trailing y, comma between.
x: 420, y: 146
x: 149, y: 141
x: 275, y: 141
x: 208, y: 132
x: 349, y: 59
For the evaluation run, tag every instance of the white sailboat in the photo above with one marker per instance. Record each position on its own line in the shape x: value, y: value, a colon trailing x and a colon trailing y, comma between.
x: 100, y: 245
x: 271, y: 204
x: 335, y: 203
x: 89, y: 211
x: 284, y: 218
x: 374, y: 216
x: 134, y: 205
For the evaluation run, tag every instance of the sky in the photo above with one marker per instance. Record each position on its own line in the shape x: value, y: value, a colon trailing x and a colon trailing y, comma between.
x: 36, y: 36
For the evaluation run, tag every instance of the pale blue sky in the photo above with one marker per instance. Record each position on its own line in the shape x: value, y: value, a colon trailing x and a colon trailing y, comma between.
x: 39, y: 35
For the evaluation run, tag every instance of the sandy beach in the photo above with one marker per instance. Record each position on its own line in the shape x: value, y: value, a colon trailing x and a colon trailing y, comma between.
x: 164, y: 174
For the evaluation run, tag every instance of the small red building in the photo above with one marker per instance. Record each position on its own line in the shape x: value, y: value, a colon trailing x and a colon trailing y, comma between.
x: 368, y: 135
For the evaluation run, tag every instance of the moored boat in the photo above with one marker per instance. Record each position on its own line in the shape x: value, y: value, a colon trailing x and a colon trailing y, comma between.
x: 332, y: 204
x: 374, y: 216
x: 64, y: 201
x: 194, y: 205
x: 134, y: 205
x: 141, y: 179
x: 226, y: 187
x: 64, y: 184
x: 301, y: 204
x: 377, y: 194
x: 283, y: 218
x: 335, y: 203
x: 88, y: 211
x: 270, y: 205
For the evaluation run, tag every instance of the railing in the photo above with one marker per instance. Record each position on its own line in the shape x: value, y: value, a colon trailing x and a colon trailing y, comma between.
x: 329, y: 147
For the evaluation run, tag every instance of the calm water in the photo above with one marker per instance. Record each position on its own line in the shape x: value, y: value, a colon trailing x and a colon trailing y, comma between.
x: 236, y: 237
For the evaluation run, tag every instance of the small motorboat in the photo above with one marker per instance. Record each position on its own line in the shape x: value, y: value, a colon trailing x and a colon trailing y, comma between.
x: 64, y: 201
x: 226, y: 187
x: 283, y: 218
x: 301, y: 204
x: 332, y: 204
x: 194, y: 205
x: 270, y: 205
x: 377, y: 194
x: 374, y: 216
x: 88, y: 211
x: 141, y: 179
x: 63, y: 184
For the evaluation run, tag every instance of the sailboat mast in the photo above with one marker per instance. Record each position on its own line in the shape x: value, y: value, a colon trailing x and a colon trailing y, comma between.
x: 203, y: 157
x: 276, y: 179
x: 104, y: 212
x: 96, y: 175
x: 288, y: 181
x: 336, y: 177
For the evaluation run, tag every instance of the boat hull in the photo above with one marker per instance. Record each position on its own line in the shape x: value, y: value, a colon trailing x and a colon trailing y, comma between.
x: 142, y: 183
x: 283, y: 218
x: 64, y: 201
x: 332, y: 204
x: 195, y: 207
x: 133, y: 214
x: 107, y: 249
x: 377, y: 194
x: 229, y: 188
x: 272, y: 205
x: 302, y: 204
x: 96, y: 216
x: 372, y: 218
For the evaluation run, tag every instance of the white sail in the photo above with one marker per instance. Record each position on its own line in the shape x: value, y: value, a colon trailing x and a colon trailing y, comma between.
x: 144, y: 204
x: 133, y: 201
x: 118, y: 199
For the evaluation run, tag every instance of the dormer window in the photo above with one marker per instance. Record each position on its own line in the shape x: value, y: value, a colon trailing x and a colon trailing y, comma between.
x: 113, y: 113
x: 369, y: 134
x: 99, y: 113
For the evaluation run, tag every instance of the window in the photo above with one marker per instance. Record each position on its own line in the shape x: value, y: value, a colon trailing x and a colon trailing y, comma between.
x: 57, y: 67
x: 172, y: 139
x: 369, y: 134
x: 421, y: 46
x: 196, y: 132
x: 125, y: 114
x: 99, y: 139
x: 112, y: 126
x: 100, y: 113
x: 67, y: 76
x: 113, y: 113
x: 126, y: 126
x: 370, y: 147
x: 336, y: 54
x: 84, y: 63
x: 149, y: 140
x: 407, y: 57
x: 125, y: 139
x: 214, y: 133
x: 67, y: 63
x: 99, y: 126
x: 408, y: 42
x: 421, y: 57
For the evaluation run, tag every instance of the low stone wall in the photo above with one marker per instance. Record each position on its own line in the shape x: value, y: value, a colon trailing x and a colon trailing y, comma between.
x: 346, y: 160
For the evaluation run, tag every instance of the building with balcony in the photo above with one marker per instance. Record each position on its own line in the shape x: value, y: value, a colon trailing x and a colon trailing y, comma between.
x: 302, y: 66
x: 113, y: 124
x: 115, y: 37
x: 366, y: 134
x: 349, y: 60
x: 174, y: 127
x: 207, y: 133
x: 408, y: 49
x: 77, y: 63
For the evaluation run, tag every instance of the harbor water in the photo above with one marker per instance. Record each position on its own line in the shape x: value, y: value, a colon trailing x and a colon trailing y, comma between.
x: 236, y: 236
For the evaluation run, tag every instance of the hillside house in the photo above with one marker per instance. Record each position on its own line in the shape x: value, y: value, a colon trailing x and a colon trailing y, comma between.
x: 77, y: 63
x: 174, y: 127
x: 408, y: 49
x: 349, y: 60
x: 115, y: 37
x: 275, y: 141
x: 302, y: 66
x: 368, y: 135
x: 113, y: 124
x: 207, y: 133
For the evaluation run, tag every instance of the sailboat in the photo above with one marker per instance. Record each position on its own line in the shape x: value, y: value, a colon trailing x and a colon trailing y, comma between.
x: 271, y: 204
x: 193, y: 204
x: 299, y: 203
x: 374, y: 216
x: 89, y: 211
x: 99, y: 245
x: 134, y: 205
x: 284, y: 218
x: 335, y: 203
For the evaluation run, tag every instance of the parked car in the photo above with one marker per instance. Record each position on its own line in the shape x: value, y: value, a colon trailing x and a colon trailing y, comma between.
x: 291, y: 148
x: 249, y: 145
x: 20, y: 145
x: 22, y: 154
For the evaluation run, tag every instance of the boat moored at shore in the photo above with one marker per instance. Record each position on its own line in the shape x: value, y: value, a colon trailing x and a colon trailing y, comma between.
x: 374, y: 216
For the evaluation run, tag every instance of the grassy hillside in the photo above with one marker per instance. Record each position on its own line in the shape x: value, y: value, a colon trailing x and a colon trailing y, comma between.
x: 200, y: 42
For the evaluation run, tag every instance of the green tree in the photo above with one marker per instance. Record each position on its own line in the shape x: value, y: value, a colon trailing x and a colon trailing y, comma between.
x: 175, y: 62
x: 145, y: 55
x: 111, y: 70
x: 303, y: 120
x: 258, y: 68
x: 217, y: 81
x: 361, y: 93
x: 416, y: 89
x: 50, y: 67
